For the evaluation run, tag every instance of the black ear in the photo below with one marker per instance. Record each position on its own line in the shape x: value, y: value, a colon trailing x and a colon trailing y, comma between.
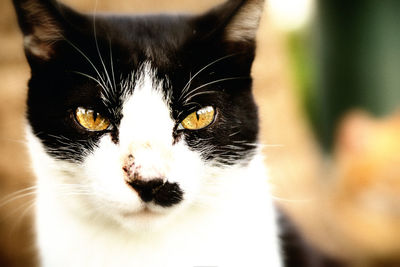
x: 42, y: 23
x: 234, y: 20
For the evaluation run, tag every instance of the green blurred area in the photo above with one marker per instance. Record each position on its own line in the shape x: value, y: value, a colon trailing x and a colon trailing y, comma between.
x: 348, y: 58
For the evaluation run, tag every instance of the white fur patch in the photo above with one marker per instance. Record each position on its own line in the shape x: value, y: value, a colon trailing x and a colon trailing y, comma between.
x: 146, y: 128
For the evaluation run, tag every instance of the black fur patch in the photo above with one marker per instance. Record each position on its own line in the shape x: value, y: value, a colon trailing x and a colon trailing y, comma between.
x: 165, y: 194
x: 297, y: 252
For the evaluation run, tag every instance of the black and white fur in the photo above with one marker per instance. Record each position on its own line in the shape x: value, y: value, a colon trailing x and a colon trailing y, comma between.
x: 146, y: 73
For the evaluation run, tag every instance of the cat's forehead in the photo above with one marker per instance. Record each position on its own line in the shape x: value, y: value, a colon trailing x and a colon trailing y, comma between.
x: 143, y: 81
x: 147, y: 26
x: 156, y: 38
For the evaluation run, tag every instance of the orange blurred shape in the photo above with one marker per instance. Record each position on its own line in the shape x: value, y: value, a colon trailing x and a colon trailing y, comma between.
x: 367, y: 192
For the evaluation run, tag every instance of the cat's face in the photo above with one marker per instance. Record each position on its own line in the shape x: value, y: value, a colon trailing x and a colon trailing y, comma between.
x: 137, y: 117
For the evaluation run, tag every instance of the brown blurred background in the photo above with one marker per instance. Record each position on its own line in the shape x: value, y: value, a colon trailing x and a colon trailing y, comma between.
x: 336, y: 172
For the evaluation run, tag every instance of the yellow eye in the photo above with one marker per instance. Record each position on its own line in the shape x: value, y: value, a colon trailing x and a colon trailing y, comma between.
x: 91, y: 120
x: 199, y: 119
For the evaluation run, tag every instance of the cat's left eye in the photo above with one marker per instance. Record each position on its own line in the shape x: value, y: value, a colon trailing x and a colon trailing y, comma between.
x: 198, y: 119
x: 91, y: 120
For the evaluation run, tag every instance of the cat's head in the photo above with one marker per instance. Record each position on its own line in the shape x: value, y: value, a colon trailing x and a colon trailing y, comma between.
x: 139, y: 116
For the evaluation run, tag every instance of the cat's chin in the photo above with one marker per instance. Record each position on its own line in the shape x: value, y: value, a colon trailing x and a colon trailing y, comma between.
x: 148, y: 218
x: 146, y: 212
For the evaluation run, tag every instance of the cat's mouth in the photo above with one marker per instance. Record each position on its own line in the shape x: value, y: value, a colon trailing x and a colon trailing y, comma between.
x: 146, y: 212
x: 157, y: 191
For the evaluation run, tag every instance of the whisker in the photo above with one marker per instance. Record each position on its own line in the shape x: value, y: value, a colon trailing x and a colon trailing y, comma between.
x: 112, y: 64
x: 233, y: 134
x: 103, y: 84
x: 213, y: 82
x: 187, y: 85
x: 29, y: 191
x: 23, y: 142
x: 199, y: 93
x: 26, y: 208
x: 288, y: 200
x: 17, y: 216
x: 90, y: 77
x: 271, y: 145
x: 97, y: 45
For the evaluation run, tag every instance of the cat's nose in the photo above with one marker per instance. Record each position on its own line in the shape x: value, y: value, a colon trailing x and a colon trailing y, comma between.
x: 161, y: 192
x: 158, y: 190
x: 146, y: 189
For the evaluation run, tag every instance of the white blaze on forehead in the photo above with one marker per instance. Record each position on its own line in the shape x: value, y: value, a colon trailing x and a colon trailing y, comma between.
x: 146, y: 126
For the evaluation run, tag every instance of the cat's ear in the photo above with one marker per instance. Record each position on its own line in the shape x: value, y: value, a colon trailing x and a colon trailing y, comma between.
x: 234, y: 20
x: 41, y: 22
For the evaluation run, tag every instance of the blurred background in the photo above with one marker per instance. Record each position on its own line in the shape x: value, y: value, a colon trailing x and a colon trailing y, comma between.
x: 329, y: 93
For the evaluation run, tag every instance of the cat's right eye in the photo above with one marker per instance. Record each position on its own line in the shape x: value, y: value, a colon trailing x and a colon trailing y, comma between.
x: 91, y: 120
x: 198, y: 119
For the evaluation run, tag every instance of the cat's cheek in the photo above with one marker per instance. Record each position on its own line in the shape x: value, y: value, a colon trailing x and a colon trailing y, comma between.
x: 187, y: 169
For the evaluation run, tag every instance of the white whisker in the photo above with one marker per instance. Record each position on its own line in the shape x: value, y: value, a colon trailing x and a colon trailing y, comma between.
x: 90, y: 62
x: 112, y: 64
x: 280, y: 199
x: 192, y: 93
x: 26, y: 208
x: 187, y: 86
x: 97, y: 46
x: 91, y: 77
x: 29, y: 191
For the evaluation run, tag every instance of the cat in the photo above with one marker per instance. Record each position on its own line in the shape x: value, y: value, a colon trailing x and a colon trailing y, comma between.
x: 143, y: 136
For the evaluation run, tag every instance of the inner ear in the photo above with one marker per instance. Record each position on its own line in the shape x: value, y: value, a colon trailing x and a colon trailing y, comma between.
x: 234, y: 20
x: 40, y: 42
x: 244, y: 24
x: 41, y: 23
